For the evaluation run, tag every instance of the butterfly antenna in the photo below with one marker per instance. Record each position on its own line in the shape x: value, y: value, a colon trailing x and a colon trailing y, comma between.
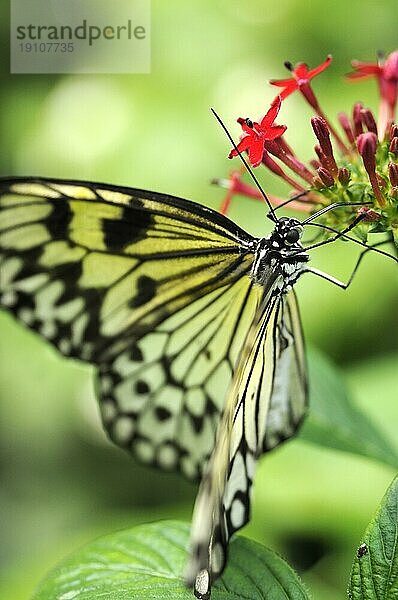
x: 294, y: 198
x: 264, y: 195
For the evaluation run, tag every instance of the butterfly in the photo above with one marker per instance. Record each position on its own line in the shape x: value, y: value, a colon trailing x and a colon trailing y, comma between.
x: 192, y: 322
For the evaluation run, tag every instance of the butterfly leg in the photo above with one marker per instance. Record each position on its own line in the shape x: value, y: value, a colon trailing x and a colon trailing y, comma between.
x: 338, y: 234
x: 343, y: 234
x: 336, y: 281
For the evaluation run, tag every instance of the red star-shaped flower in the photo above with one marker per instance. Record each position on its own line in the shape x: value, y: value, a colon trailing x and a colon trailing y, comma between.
x: 386, y: 73
x: 300, y: 80
x: 259, y: 133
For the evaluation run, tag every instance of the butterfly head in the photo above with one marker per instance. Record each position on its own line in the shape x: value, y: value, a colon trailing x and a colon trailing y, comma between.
x: 287, y: 233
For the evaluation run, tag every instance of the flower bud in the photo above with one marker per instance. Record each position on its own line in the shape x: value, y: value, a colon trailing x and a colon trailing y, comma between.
x: 315, y: 164
x: 369, y: 214
x: 357, y: 118
x: 394, y: 146
x: 346, y: 125
x: 369, y: 120
x: 318, y: 183
x: 325, y: 177
x: 367, y: 146
x: 393, y: 131
x: 344, y: 176
x: 393, y: 174
x: 322, y: 133
x: 320, y: 154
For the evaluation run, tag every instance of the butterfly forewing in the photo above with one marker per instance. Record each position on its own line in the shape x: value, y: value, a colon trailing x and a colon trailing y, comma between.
x: 86, y: 264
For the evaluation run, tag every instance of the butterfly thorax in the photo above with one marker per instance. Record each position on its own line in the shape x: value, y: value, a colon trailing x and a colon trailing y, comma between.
x: 280, y: 257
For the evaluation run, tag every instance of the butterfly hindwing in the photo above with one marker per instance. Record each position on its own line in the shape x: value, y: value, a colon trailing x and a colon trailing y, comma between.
x: 164, y: 401
x: 223, y: 503
x: 289, y: 399
x: 261, y: 386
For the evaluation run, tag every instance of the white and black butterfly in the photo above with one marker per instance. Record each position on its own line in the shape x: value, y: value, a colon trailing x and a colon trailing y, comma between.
x: 192, y: 323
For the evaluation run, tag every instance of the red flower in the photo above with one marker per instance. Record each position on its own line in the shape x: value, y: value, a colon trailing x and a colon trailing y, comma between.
x: 385, y: 72
x: 259, y: 133
x: 301, y: 81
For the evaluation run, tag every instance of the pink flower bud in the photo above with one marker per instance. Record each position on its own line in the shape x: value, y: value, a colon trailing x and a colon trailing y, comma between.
x: 344, y: 176
x: 394, y: 146
x: 318, y: 183
x: 369, y: 120
x: 369, y: 214
x: 322, y: 133
x: 346, y: 125
x: 357, y: 118
x: 393, y: 131
x: 320, y: 154
x: 325, y: 177
x: 315, y: 163
x: 393, y: 174
x: 367, y: 146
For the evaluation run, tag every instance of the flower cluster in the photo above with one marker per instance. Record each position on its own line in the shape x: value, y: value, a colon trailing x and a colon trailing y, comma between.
x: 356, y: 165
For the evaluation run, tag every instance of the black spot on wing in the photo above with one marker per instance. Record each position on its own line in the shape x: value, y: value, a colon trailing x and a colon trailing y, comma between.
x: 24, y: 300
x: 58, y: 221
x: 211, y: 408
x: 30, y: 260
x: 136, y: 354
x: 146, y: 290
x: 131, y: 227
x: 92, y: 299
x: 197, y: 423
x: 70, y: 273
x: 162, y: 413
x: 141, y: 387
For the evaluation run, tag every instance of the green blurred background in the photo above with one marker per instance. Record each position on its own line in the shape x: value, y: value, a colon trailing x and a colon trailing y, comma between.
x: 62, y: 483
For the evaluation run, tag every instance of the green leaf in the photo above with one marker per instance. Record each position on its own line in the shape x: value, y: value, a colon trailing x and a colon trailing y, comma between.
x: 374, y: 574
x: 335, y: 422
x: 148, y: 562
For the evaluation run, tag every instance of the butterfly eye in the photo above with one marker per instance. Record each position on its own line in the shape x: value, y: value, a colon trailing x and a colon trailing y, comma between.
x: 292, y: 236
x: 249, y: 123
